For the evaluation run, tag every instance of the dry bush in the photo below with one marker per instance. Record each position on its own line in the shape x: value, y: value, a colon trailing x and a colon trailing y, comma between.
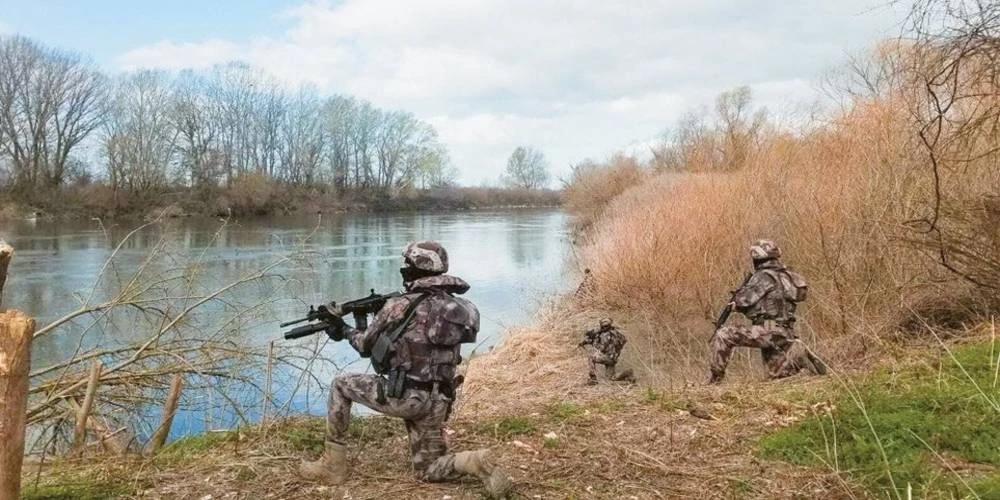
x: 250, y: 194
x: 163, y: 316
x: 837, y: 200
x: 593, y: 185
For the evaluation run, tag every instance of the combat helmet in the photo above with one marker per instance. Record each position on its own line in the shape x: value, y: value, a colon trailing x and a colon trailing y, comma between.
x: 427, y: 256
x: 764, y: 250
x: 605, y: 323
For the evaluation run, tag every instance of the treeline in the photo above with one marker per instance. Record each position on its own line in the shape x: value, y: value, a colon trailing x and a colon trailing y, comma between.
x: 230, y: 131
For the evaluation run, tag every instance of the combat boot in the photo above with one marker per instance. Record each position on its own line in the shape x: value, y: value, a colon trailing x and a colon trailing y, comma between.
x: 479, y: 463
x: 330, y: 469
x: 626, y: 376
x: 716, y: 377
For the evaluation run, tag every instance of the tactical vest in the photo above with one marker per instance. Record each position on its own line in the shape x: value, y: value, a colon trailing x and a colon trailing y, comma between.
x: 611, y: 342
x: 780, y: 302
x: 424, y: 345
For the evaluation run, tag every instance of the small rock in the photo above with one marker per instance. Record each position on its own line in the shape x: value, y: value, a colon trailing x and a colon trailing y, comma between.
x: 551, y: 436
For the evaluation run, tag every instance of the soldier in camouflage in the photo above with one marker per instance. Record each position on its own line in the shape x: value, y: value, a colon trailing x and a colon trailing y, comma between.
x: 607, y: 342
x: 768, y: 299
x: 414, y: 345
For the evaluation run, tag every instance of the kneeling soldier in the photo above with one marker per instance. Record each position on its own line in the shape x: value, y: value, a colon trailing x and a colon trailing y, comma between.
x: 607, y: 342
x: 413, y: 343
x: 768, y: 298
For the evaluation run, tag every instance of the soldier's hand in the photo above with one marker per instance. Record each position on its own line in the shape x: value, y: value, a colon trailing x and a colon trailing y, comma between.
x: 336, y: 328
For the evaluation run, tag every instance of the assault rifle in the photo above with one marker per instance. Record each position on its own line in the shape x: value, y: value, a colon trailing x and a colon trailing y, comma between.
x: 589, y: 337
x: 324, y: 314
x: 726, y: 311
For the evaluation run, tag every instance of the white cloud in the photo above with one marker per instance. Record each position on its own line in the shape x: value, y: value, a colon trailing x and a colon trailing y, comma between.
x: 576, y: 78
x: 171, y: 55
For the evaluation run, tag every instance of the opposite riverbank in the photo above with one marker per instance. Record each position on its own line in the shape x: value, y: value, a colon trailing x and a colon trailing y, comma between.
x: 263, y: 198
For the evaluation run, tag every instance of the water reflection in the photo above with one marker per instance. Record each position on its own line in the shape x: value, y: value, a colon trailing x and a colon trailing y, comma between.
x: 511, y: 259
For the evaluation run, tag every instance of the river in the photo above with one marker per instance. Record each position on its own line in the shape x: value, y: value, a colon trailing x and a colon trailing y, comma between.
x: 513, y: 259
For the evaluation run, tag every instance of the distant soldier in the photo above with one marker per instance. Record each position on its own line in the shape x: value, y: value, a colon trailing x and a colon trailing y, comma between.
x: 607, y: 342
x: 768, y: 298
x: 586, y: 285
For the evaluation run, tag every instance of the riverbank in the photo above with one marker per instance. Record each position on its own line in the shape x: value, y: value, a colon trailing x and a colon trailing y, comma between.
x: 262, y: 199
x: 559, y: 438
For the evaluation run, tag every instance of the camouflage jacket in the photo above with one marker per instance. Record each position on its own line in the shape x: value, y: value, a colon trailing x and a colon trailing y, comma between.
x: 763, y: 299
x: 428, y: 349
x: 610, y: 342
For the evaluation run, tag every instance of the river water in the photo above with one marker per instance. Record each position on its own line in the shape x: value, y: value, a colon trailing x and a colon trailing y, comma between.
x: 514, y: 260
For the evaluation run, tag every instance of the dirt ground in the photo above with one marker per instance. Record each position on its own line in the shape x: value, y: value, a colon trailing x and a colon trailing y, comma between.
x: 556, y: 437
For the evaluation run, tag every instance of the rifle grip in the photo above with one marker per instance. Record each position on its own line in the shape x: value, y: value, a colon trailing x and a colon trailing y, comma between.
x: 360, y: 321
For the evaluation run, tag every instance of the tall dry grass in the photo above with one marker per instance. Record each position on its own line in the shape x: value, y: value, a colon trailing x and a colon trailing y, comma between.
x: 839, y: 200
x: 593, y: 185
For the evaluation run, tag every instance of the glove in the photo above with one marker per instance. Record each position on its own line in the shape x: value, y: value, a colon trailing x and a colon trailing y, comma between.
x: 336, y: 328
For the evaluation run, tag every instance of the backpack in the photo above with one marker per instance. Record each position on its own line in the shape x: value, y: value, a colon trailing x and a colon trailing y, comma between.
x: 793, y: 285
x: 456, y: 322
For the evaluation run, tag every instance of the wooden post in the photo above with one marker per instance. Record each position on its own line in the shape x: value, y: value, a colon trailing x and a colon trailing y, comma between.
x: 6, y: 253
x: 267, y: 382
x: 16, y: 332
x: 83, y: 413
x: 167, y: 419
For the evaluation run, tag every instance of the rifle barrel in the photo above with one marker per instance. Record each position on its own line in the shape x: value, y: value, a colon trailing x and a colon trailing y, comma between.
x: 294, y: 321
x: 306, y: 330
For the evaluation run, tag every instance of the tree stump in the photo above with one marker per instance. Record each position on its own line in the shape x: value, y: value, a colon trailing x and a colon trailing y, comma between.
x: 167, y: 419
x: 16, y: 331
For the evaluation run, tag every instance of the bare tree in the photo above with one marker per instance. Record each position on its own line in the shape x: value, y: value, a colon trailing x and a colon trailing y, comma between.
x: 526, y: 169
x: 193, y: 117
x: 953, y: 83
x: 50, y: 101
x: 739, y: 127
x: 303, y: 142
x: 139, y: 138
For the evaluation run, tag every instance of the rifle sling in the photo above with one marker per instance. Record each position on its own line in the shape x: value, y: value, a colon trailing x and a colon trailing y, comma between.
x: 383, y: 345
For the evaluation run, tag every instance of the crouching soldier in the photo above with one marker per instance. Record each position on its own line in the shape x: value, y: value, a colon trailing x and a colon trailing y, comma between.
x: 413, y: 343
x: 768, y: 298
x: 607, y: 342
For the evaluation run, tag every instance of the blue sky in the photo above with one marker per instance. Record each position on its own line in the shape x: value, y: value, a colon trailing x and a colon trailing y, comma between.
x: 105, y: 29
x: 575, y: 78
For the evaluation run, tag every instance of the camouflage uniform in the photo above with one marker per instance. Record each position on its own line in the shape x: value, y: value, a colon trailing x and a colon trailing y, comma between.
x: 762, y: 300
x: 607, y: 342
x: 430, y: 367
x: 414, y: 343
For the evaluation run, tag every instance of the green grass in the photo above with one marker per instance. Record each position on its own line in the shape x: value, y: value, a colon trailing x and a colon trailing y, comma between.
x: 74, y: 489
x: 893, y: 430
x: 305, y: 435
x: 563, y: 411
x: 182, y: 449
x: 506, y: 427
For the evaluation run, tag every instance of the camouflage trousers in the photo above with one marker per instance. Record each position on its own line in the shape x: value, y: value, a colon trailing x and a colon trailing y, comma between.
x: 423, y: 412
x: 598, y: 359
x: 783, y: 355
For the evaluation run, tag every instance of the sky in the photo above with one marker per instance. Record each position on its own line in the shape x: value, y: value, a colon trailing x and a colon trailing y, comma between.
x: 576, y: 79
